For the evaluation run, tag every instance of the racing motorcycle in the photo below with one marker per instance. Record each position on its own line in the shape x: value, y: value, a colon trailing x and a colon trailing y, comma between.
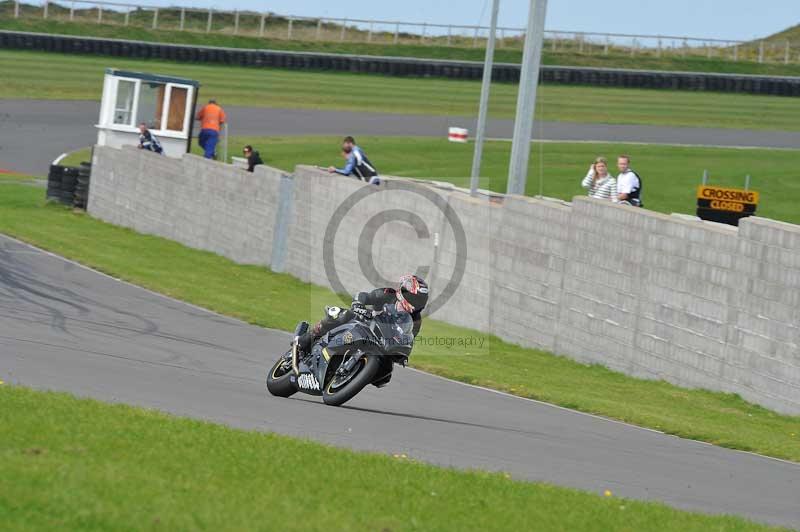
x: 344, y: 361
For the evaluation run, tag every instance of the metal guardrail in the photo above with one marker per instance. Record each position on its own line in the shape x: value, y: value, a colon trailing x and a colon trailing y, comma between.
x: 400, y: 66
x: 293, y: 27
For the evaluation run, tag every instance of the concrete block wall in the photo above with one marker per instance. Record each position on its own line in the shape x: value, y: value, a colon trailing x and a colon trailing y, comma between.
x: 654, y: 296
x: 203, y: 204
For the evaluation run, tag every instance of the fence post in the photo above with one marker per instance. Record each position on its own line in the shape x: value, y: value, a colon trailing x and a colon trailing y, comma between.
x: 46, y: 8
x: 475, y: 38
x: 16, y: 8
x: 100, y: 15
x: 210, y: 18
x: 127, y: 17
x: 236, y: 22
x: 605, y: 48
x: 183, y: 18
x: 449, y: 34
x: 786, y: 53
x: 72, y: 11
x: 708, y: 50
x: 369, y: 35
x: 658, y: 54
x: 579, y: 36
x: 155, y: 18
x: 261, y: 25
x: 760, y: 51
x: 319, y: 28
x: 736, y: 52
x: 341, y: 33
x: 289, y: 29
x: 683, y: 48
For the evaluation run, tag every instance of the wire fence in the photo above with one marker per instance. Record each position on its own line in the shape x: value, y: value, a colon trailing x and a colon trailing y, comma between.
x: 345, y: 30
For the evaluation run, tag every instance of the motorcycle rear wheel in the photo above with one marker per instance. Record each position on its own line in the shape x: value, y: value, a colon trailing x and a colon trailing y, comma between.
x: 369, y: 365
x: 279, y: 378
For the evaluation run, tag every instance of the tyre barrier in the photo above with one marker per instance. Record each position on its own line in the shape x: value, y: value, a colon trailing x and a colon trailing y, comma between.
x: 68, y: 185
x: 400, y: 66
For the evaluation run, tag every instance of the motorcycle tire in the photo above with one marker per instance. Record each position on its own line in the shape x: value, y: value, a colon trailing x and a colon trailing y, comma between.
x: 281, y: 384
x: 369, y: 370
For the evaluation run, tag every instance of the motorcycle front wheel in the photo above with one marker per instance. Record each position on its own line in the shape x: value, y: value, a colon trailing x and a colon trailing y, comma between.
x: 279, y: 378
x: 341, y: 388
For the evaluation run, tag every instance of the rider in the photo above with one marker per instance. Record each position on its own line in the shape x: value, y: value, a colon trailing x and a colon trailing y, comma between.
x: 411, y: 297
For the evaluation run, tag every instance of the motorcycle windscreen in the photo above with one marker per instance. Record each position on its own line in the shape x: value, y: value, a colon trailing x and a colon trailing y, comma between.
x: 397, y: 327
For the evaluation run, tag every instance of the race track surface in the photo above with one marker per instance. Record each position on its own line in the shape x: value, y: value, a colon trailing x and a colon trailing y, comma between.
x: 32, y: 133
x: 64, y: 327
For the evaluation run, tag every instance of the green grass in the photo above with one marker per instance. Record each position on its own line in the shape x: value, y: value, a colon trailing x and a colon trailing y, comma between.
x: 566, y: 53
x: 671, y: 174
x: 40, y: 75
x: 115, y: 467
x: 259, y: 296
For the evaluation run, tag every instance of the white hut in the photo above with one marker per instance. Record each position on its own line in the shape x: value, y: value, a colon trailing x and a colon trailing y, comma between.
x: 164, y: 103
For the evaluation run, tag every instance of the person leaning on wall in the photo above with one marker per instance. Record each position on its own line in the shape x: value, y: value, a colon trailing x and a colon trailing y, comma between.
x: 629, y: 184
x: 599, y: 183
x: 253, y: 158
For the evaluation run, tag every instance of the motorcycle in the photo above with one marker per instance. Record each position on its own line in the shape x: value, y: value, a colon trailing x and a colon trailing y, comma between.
x: 344, y: 361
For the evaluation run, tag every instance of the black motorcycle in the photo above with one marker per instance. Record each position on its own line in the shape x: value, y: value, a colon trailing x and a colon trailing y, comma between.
x: 341, y: 363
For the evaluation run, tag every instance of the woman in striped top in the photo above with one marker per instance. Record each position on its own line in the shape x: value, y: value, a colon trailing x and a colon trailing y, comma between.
x: 599, y: 182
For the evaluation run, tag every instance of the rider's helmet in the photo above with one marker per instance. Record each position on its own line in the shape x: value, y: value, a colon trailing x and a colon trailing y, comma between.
x: 413, y: 293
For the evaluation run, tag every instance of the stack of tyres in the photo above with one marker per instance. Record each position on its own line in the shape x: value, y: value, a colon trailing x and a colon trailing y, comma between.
x: 69, y: 181
x: 82, y: 186
x: 54, y: 183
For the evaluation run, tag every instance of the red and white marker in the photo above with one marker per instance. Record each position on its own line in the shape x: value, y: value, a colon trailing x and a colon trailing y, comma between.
x: 457, y: 134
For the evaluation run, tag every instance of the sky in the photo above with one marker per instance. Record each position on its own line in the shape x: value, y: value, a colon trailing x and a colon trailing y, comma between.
x: 722, y: 19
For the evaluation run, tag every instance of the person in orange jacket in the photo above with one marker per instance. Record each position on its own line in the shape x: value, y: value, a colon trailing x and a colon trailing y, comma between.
x: 211, y: 118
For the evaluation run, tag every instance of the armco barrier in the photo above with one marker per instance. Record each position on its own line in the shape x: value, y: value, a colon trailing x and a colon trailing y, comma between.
x: 694, y: 303
x: 399, y: 66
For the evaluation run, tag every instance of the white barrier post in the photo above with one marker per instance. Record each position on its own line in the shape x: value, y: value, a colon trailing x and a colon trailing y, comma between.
x: 483, y: 107
x: 100, y: 15
x: 16, y: 8
x: 369, y: 35
x: 261, y: 26
x: 344, y: 27
x: 155, y: 19
x: 46, y: 8
x: 760, y: 51
x: 236, y: 23
x: 396, y: 33
x: 319, y: 29
x: 72, y: 11
x: 210, y: 18
x: 289, y: 29
x: 127, y: 17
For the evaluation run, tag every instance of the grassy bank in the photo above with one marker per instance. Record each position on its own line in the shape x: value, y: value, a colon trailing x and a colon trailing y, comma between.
x: 258, y: 296
x: 670, y: 173
x: 39, y: 75
x: 104, y: 467
x: 565, y: 54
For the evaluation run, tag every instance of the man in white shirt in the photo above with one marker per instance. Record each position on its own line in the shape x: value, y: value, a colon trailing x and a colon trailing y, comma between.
x: 629, y: 184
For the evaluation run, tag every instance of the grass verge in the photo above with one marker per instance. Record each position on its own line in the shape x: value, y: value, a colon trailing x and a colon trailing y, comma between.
x: 258, y: 296
x: 41, y: 75
x: 670, y: 173
x: 566, y: 56
x: 114, y: 467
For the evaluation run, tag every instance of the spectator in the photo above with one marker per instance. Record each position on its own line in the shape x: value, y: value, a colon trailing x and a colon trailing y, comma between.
x: 211, y: 118
x: 148, y: 141
x: 253, y: 158
x: 599, y: 182
x: 629, y: 184
x: 357, y: 163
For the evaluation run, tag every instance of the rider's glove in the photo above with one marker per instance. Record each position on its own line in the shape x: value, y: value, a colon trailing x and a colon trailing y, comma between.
x: 360, y: 310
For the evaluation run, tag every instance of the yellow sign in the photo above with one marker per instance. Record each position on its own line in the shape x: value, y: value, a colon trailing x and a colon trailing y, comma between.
x: 727, y: 199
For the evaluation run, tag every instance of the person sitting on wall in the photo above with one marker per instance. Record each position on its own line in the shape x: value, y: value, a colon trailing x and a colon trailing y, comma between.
x: 148, y: 141
x: 211, y: 118
x: 357, y: 163
x: 253, y: 158
x: 629, y: 184
x: 599, y: 182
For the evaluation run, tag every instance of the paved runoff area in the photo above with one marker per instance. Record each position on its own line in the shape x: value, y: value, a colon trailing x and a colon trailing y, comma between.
x: 32, y: 133
x: 65, y: 327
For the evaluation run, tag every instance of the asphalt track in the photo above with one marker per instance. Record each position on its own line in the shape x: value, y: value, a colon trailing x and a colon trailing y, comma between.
x: 64, y: 327
x: 35, y: 132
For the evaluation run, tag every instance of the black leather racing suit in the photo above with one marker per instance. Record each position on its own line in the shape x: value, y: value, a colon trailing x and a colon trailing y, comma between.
x: 375, y: 299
